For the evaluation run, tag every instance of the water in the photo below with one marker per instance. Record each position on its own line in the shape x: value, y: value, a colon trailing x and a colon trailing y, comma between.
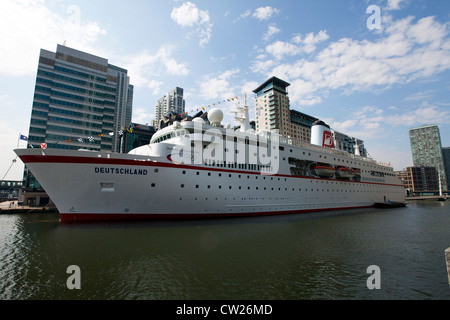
x: 305, y: 256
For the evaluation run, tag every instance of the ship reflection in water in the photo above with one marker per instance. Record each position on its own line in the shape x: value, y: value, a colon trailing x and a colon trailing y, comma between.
x: 300, y: 256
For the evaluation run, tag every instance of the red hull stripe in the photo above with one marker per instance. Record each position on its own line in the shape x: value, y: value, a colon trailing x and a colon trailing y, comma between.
x: 72, y: 217
x: 143, y: 163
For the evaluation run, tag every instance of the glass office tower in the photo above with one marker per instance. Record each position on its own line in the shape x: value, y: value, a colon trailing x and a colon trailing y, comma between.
x: 446, y: 155
x: 426, y: 149
x: 80, y: 101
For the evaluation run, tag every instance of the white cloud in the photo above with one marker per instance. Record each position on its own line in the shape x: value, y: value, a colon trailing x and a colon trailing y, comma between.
x: 263, y: 67
x: 261, y: 13
x: 394, y: 4
x: 175, y: 68
x: 345, y: 125
x: 298, y: 44
x: 243, y: 15
x: 374, y: 122
x: 28, y: 26
x: 143, y: 67
x: 404, y: 51
x: 426, y: 94
x: 312, y: 40
x: 213, y: 87
x: 428, y: 31
x: 141, y: 115
x: 427, y: 113
x: 280, y: 48
x: 378, y: 127
x: 302, y: 93
x: 272, y: 30
x: 188, y: 15
x: 265, y: 13
x: 155, y: 85
x: 248, y: 88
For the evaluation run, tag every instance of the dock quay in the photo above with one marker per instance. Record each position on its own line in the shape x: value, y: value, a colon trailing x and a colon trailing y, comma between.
x: 428, y: 198
x: 13, y: 207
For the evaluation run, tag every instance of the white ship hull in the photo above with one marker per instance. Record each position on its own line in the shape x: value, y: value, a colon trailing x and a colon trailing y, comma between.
x: 94, y: 185
x: 191, y: 169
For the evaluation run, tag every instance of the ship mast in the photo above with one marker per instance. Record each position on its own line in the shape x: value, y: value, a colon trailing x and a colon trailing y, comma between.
x: 241, y: 115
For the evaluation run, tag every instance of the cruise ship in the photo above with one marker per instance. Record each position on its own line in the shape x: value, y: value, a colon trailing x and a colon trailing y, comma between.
x: 199, y: 169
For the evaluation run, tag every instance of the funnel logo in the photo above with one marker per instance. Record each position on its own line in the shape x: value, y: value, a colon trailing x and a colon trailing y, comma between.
x: 327, y: 140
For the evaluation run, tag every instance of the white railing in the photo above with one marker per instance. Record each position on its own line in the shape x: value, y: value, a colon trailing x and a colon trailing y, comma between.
x: 309, y: 146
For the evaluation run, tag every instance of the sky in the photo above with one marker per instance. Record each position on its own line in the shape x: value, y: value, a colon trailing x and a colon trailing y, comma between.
x: 371, y: 69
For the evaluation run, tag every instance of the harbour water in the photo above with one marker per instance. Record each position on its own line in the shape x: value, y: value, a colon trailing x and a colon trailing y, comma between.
x: 320, y: 256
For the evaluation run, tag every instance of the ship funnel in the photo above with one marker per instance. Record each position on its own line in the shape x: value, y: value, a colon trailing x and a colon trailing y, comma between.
x: 321, y: 135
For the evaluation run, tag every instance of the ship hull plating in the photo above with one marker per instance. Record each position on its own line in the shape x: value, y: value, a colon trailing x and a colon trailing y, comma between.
x: 103, y: 186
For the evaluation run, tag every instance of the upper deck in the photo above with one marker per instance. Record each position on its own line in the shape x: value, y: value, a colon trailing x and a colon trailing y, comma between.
x: 267, y: 152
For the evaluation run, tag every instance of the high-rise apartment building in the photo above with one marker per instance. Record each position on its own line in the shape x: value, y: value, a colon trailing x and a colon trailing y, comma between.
x: 79, y: 100
x: 300, y: 126
x: 446, y: 155
x: 124, y: 106
x: 173, y: 102
x: 426, y: 149
x: 273, y: 107
x: 349, y: 144
x: 273, y: 113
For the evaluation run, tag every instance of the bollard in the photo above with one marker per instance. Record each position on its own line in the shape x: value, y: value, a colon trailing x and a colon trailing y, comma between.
x: 447, y: 258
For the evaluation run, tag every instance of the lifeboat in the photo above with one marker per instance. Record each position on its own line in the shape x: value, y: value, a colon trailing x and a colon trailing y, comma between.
x: 324, y: 171
x: 345, y: 172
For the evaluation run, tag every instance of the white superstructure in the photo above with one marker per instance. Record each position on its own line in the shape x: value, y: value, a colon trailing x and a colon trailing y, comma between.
x: 191, y: 169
